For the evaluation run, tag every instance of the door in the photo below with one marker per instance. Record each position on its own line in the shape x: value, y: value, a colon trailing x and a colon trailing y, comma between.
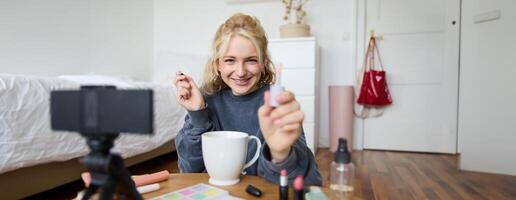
x: 419, y: 47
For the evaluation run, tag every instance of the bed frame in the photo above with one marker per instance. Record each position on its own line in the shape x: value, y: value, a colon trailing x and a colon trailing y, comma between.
x: 27, y: 181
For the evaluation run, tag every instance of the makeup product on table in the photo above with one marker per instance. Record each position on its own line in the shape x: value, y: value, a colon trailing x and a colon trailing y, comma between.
x: 342, y: 171
x: 139, y: 180
x: 253, y: 191
x: 148, y: 188
x: 151, y: 178
x: 315, y: 193
x: 283, y: 185
x: 141, y: 189
x: 299, y: 188
x: 276, y: 88
x: 199, y: 191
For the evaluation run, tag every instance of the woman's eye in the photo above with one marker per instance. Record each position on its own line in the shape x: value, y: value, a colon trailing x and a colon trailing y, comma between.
x: 252, y: 61
x: 229, y: 61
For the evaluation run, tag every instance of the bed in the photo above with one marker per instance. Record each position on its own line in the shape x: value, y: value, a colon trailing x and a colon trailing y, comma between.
x: 33, y: 158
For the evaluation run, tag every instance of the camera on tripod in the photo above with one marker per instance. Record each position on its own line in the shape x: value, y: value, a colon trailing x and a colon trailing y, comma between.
x: 102, y: 110
x: 100, y: 113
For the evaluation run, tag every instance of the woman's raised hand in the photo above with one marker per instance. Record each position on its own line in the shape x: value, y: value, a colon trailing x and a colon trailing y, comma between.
x: 280, y: 126
x: 188, y: 94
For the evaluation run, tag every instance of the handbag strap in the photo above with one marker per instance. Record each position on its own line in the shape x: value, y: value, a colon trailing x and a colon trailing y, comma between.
x: 377, y: 53
x: 371, y: 54
x: 372, y: 48
x: 367, y: 58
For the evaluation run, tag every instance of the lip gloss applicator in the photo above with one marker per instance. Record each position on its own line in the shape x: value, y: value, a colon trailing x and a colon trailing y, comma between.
x: 179, y: 73
x: 276, y: 88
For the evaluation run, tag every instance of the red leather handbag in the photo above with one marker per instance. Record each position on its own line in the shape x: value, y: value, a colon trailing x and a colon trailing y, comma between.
x: 373, y: 91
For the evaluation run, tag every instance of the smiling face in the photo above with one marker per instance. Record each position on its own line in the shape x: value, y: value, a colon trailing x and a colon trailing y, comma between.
x: 239, y: 67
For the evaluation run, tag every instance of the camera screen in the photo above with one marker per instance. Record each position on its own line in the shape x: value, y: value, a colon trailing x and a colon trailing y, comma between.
x: 101, y: 109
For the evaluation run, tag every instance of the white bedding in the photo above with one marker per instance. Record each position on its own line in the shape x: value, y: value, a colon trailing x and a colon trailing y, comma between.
x: 25, y: 135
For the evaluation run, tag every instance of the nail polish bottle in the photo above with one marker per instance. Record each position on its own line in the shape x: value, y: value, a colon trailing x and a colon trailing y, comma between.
x: 342, y: 171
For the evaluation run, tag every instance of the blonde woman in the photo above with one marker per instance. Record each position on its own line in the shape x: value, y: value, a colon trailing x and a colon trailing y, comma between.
x: 234, y: 96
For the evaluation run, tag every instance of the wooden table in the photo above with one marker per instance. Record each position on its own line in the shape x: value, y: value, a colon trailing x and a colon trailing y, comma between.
x: 269, y: 190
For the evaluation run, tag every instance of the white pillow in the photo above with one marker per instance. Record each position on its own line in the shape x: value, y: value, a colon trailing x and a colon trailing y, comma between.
x: 93, y: 79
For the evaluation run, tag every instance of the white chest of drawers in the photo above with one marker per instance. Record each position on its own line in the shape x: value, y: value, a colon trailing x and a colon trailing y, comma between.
x: 299, y: 57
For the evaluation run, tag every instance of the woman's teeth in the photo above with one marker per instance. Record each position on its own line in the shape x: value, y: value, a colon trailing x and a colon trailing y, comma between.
x: 241, y: 82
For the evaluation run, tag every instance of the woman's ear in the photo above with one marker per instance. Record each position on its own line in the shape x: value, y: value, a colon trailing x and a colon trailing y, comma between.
x: 219, y: 66
x: 217, y: 71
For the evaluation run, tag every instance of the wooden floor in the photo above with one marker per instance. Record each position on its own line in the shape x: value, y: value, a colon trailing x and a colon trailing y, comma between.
x: 399, y: 175
x: 380, y: 175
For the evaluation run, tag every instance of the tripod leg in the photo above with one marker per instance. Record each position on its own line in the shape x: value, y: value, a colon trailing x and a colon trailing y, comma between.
x: 124, y: 179
x: 91, y: 189
x: 129, y: 184
x: 107, y: 192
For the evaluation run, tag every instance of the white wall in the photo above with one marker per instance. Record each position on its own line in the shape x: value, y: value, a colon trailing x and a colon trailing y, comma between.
x: 184, y: 29
x: 487, y: 97
x: 55, y: 37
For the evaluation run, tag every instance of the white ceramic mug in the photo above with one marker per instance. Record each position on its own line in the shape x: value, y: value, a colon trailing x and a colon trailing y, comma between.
x: 224, y: 154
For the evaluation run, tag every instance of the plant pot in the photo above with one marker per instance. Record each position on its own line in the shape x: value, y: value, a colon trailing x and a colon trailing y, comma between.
x: 294, y: 30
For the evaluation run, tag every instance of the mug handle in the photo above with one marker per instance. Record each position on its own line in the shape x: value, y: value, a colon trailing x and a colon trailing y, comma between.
x: 256, y: 155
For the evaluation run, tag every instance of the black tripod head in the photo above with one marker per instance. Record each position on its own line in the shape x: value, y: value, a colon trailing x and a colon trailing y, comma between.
x: 100, y: 113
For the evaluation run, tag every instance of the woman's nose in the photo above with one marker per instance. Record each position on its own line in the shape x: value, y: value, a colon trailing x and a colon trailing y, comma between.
x: 240, y: 71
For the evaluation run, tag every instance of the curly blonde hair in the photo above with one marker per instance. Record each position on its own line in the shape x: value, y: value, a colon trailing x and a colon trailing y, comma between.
x: 237, y: 25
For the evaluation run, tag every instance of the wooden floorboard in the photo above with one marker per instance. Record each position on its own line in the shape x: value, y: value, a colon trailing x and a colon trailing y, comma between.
x: 379, y: 175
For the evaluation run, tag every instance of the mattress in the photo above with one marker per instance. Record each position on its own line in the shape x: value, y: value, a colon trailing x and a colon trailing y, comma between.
x: 25, y: 135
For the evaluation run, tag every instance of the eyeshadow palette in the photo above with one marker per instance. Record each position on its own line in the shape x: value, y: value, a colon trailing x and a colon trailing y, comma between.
x: 200, y: 191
